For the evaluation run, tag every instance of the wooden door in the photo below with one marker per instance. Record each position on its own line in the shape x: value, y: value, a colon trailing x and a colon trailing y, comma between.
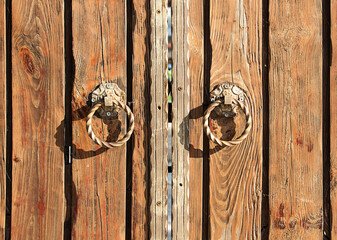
x: 277, y: 182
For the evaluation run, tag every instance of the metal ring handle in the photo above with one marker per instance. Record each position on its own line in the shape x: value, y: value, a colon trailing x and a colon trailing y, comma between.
x: 118, y: 142
x: 223, y: 143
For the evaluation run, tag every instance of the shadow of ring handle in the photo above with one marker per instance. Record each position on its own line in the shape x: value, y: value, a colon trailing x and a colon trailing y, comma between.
x: 119, y: 142
x: 230, y: 143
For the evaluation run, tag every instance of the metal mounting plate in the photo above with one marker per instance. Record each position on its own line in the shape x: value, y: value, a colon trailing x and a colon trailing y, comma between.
x: 226, y: 92
x: 105, y: 93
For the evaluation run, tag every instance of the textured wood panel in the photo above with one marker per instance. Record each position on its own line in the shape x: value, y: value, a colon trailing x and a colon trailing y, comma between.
x: 38, y: 110
x: 159, y: 120
x: 195, y: 78
x: 141, y: 110
x: 295, y: 106
x: 180, y: 109
x: 99, y: 182
x: 235, y: 172
x: 187, y: 111
x: 333, y: 116
x: 2, y: 119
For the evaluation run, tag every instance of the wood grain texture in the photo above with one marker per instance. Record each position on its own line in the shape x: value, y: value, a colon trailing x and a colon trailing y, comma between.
x: 159, y: 120
x: 180, y: 109
x: 295, y: 106
x: 38, y: 110
x: 187, y: 111
x: 195, y: 70
x: 333, y: 122
x: 140, y: 100
x: 99, y: 182
x: 2, y: 119
x: 235, y: 172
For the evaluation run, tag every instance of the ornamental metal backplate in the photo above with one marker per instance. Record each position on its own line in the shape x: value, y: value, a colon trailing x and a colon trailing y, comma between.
x: 105, y: 93
x: 226, y: 92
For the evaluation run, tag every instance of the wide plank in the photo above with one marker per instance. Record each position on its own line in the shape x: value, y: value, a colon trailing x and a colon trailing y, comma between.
x: 333, y: 122
x: 159, y: 120
x: 235, y: 172
x: 141, y: 109
x: 99, y: 174
x: 2, y: 119
x: 295, y: 124
x: 38, y: 110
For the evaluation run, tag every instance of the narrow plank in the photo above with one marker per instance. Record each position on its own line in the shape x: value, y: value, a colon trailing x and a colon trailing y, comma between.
x: 187, y: 111
x: 38, y: 110
x: 99, y: 182
x: 295, y: 107
x: 180, y: 109
x: 235, y: 172
x: 141, y: 110
x: 195, y: 78
x: 159, y: 120
x: 2, y: 119
x: 333, y: 122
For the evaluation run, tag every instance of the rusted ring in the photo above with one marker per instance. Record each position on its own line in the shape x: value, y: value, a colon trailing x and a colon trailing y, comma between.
x: 119, y: 142
x: 231, y: 143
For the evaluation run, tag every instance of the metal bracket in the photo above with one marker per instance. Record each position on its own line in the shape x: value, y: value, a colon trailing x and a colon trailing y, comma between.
x: 226, y: 92
x: 105, y: 93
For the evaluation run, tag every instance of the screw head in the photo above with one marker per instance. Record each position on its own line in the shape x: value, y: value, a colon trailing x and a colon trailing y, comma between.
x: 108, y: 114
x: 226, y: 115
x: 107, y: 85
x: 241, y: 99
x: 93, y: 99
x: 226, y: 85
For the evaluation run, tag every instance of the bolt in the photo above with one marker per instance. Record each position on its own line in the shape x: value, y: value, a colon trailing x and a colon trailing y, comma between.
x: 108, y: 114
x: 93, y: 99
x: 226, y: 85
x: 107, y: 86
x: 226, y: 115
x: 241, y: 99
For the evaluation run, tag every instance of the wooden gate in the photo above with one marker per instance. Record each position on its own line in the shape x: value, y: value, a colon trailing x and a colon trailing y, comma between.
x: 277, y: 57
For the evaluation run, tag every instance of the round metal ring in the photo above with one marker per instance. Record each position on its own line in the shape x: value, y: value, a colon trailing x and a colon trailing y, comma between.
x: 119, y: 142
x: 230, y: 143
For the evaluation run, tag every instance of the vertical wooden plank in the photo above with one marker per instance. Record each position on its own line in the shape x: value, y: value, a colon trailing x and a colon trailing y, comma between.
x: 295, y: 106
x: 180, y: 109
x: 235, y: 172
x: 159, y: 120
x: 38, y: 110
x: 187, y: 111
x: 195, y: 78
x: 99, y: 183
x: 140, y: 102
x: 2, y: 119
x: 333, y: 116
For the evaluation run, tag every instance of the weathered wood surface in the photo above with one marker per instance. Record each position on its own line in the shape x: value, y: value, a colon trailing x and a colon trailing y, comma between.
x: 295, y: 107
x: 235, y: 172
x: 180, y: 109
x: 38, y: 110
x: 159, y: 120
x: 2, y: 119
x: 187, y: 111
x: 333, y: 122
x: 141, y: 110
x: 195, y: 77
x: 99, y: 175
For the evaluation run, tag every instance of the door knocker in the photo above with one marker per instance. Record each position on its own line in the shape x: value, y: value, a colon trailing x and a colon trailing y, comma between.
x: 106, y: 100
x: 227, y: 95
